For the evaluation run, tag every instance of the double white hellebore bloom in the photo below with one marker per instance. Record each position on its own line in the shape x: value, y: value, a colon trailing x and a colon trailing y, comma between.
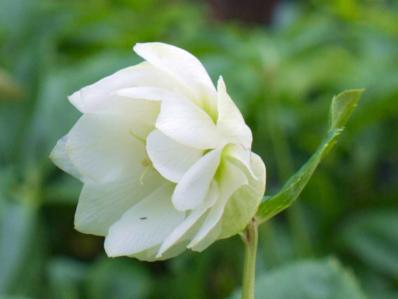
x: 164, y: 156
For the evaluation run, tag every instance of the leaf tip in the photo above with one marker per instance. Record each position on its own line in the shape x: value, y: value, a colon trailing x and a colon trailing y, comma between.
x: 342, y: 107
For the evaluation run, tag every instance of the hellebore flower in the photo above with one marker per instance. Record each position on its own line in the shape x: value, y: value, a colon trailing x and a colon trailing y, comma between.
x: 164, y: 156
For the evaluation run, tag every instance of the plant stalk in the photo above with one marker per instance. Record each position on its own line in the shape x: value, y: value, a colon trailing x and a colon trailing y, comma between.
x: 250, y: 239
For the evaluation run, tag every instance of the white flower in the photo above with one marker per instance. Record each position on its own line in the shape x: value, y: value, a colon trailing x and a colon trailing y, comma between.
x: 164, y: 156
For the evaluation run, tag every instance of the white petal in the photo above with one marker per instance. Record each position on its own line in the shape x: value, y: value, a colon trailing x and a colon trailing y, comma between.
x: 182, y: 230
x: 230, y: 121
x: 147, y: 255
x: 144, y: 225
x: 138, y: 114
x: 240, y: 156
x: 180, y: 64
x: 231, y: 179
x: 175, y: 250
x: 169, y: 157
x: 59, y: 156
x: 243, y: 204
x: 100, y: 205
x: 103, y: 148
x: 209, y: 238
x: 188, y: 124
x: 90, y: 98
x: 150, y: 255
x: 151, y: 94
x: 191, y: 191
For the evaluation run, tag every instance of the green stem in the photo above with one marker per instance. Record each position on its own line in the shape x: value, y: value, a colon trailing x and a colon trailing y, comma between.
x: 250, y: 239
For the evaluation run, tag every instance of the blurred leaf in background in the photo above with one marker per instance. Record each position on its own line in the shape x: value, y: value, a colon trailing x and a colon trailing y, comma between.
x: 312, y: 279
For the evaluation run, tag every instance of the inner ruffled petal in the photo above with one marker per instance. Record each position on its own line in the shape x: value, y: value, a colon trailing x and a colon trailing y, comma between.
x: 191, y: 190
x: 170, y: 158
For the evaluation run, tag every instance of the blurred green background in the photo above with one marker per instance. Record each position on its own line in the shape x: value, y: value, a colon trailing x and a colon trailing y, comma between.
x: 282, y: 62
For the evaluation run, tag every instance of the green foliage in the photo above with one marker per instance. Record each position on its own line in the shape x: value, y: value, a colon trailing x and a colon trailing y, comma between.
x: 8, y: 88
x: 341, y: 109
x: 281, y: 78
x: 106, y: 278
x: 16, y: 233
x: 312, y: 279
x: 65, y: 276
x: 119, y: 278
x: 374, y: 237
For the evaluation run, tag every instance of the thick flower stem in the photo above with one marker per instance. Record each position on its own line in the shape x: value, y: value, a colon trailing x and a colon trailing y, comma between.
x: 250, y: 238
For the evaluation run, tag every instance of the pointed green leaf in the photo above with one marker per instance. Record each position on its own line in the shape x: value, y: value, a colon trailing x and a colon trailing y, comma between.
x: 340, y: 111
x: 342, y: 107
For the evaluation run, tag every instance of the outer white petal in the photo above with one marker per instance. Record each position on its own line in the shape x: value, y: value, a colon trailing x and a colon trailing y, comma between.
x: 139, y: 114
x: 243, y: 204
x: 100, y: 205
x: 191, y: 191
x: 231, y: 179
x: 169, y: 157
x: 150, y: 255
x: 151, y: 94
x: 144, y: 225
x: 180, y: 64
x: 60, y: 157
x: 188, y: 124
x: 90, y: 98
x: 103, y: 148
x: 183, y: 231
x: 230, y: 121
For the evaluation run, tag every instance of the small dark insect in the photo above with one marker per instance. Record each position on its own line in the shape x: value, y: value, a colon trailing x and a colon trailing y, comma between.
x: 142, y: 218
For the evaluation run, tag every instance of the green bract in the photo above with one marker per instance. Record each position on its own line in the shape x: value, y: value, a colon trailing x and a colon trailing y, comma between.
x: 341, y: 109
